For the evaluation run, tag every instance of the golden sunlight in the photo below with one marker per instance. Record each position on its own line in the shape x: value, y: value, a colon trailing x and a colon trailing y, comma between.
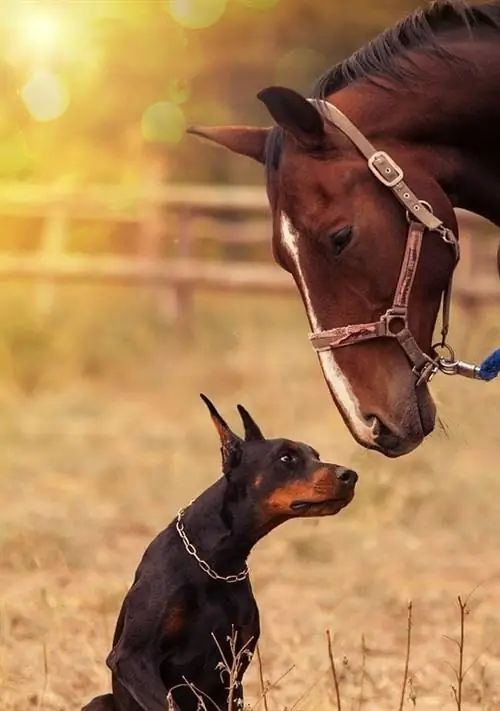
x: 40, y: 32
x: 260, y: 4
x: 45, y: 96
x: 163, y: 122
x: 179, y: 91
x: 196, y: 14
x: 300, y: 66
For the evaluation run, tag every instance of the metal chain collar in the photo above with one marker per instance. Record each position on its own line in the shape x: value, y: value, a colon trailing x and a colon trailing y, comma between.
x: 202, y: 563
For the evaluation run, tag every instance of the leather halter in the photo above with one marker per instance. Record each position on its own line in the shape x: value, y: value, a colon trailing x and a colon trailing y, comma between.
x: 394, y: 322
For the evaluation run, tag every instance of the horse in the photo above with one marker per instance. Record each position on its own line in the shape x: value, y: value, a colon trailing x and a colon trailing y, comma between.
x: 362, y: 179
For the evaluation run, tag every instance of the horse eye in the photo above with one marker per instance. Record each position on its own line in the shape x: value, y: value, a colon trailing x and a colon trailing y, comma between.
x: 341, y: 239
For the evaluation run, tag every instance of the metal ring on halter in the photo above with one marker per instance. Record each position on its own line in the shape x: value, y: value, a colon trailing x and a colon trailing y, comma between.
x: 424, y: 203
x: 437, y: 347
x: 448, y: 237
x: 447, y: 365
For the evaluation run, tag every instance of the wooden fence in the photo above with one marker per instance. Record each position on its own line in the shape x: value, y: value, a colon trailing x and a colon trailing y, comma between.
x: 176, y: 220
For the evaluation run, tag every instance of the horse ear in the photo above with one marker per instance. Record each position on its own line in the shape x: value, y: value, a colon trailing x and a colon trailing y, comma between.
x: 231, y: 445
x: 252, y: 430
x: 247, y: 141
x: 293, y: 113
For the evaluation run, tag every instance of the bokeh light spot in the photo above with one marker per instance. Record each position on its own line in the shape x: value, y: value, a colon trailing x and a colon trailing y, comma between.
x: 163, y: 122
x: 260, y: 4
x: 196, y: 14
x: 45, y: 96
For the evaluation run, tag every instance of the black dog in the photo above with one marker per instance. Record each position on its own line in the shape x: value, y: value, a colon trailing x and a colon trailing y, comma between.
x: 191, y: 604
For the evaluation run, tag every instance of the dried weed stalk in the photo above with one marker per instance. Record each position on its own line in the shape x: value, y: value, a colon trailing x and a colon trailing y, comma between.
x: 362, y: 674
x: 263, y: 687
x: 232, y: 667
x: 407, y: 656
x: 333, y: 671
x: 458, y: 689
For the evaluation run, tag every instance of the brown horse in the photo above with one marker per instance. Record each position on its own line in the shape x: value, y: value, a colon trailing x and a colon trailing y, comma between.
x: 403, y: 131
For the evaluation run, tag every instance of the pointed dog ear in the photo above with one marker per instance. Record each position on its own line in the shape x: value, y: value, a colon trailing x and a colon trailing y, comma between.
x: 252, y: 430
x: 231, y: 444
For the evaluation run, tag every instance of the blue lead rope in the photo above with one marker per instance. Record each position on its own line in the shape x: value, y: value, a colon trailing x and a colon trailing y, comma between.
x: 490, y: 367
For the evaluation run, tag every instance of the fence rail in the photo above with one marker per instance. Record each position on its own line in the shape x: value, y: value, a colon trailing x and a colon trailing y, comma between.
x: 200, y: 274
x: 180, y: 217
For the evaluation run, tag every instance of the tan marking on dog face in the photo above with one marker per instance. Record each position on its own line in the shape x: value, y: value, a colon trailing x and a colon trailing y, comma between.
x: 322, y: 484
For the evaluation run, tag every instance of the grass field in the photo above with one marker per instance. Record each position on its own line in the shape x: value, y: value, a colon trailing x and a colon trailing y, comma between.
x: 103, y: 438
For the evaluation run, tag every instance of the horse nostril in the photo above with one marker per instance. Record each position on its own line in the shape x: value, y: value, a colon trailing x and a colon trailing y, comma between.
x: 347, y: 476
x: 379, y: 430
x: 374, y: 424
x: 383, y: 436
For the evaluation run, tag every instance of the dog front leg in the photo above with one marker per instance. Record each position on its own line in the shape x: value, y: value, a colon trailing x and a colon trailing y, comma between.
x: 139, y: 677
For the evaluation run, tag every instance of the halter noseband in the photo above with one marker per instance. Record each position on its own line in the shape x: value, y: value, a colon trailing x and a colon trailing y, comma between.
x: 394, y: 323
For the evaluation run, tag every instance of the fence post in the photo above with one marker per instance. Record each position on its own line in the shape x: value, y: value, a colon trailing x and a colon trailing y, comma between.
x: 469, y: 297
x: 468, y: 267
x: 53, y: 240
x: 152, y: 224
x: 184, y: 292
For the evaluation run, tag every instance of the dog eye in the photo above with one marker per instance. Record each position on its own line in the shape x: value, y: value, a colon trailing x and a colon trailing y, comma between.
x: 288, y: 458
x: 341, y: 239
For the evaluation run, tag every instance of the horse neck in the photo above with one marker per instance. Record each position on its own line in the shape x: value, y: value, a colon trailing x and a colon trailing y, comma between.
x: 449, y: 120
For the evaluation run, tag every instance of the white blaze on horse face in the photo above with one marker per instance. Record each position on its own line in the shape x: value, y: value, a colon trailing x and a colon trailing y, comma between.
x: 337, y: 381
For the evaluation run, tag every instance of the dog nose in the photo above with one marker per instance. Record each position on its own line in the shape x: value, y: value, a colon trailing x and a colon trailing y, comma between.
x: 347, y: 476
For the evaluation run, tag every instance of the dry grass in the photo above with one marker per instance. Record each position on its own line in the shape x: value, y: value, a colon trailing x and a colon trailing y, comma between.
x: 103, y: 438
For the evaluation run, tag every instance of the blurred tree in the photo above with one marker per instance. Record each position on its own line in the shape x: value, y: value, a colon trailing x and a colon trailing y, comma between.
x: 138, y: 71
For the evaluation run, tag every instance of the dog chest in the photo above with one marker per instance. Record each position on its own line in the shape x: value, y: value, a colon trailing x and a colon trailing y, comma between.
x: 219, y: 625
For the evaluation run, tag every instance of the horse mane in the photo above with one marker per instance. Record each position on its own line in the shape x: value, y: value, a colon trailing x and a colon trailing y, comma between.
x: 422, y: 29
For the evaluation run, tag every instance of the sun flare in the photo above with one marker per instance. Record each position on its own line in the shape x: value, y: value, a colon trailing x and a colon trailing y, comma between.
x: 42, y: 32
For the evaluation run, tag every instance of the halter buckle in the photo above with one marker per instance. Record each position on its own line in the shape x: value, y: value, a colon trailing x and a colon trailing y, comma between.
x: 395, y: 313
x: 382, y: 166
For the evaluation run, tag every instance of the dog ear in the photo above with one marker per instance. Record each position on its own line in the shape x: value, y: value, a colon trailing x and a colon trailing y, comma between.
x: 252, y: 430
x: 231, y: 445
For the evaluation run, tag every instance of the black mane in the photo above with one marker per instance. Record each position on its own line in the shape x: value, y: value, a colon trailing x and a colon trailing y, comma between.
x: 422, y: 29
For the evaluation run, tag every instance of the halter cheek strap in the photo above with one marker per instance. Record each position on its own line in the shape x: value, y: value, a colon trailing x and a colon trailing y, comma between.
x: 394, y: 323
x: 386, y: 170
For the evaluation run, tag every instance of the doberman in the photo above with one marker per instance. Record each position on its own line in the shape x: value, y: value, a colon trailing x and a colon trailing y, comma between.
x: 191, y: 613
